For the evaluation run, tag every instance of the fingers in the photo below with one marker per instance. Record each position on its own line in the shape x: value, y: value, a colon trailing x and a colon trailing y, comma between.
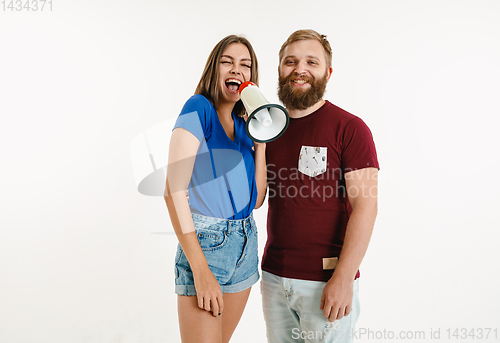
x: 200, y: 301
x: 335, y: 304
x: 217, y: 304
x: 327, y: 310
x: 206, y: 302
x: 214, y: 304
x: 330, y: 312
x: 341, y: 313
x: 333, y: 313
x: 215, y: 307
x: 348, y: 309
x: 221, y: 304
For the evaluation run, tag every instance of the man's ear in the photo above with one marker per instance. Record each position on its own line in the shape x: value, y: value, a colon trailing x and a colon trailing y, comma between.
x: 329, y: 71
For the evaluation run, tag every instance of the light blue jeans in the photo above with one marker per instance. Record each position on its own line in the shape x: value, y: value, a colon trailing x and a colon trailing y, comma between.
x: 292, y: 314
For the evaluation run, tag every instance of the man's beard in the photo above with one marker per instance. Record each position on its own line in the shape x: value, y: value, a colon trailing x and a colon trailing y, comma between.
x: 295, y: 98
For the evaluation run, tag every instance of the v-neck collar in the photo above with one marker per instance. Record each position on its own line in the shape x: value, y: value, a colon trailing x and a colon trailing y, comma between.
x: 222, y: 127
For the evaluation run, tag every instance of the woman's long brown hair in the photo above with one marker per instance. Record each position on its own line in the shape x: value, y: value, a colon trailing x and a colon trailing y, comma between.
x: 209, y: 85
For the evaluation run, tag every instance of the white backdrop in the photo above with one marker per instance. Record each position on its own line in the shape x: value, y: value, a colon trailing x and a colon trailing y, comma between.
x: 84, y: 257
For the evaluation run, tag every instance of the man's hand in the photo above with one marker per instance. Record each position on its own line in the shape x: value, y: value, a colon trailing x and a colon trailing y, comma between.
x: 336, y: 300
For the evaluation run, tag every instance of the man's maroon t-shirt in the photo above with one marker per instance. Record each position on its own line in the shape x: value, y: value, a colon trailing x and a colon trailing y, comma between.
x: 308, y: 201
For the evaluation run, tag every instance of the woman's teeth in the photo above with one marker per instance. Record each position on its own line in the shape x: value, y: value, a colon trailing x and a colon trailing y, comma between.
x: 233, y: 85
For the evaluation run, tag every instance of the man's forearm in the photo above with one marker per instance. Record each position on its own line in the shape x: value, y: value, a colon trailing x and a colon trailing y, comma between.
x: 357, y: 237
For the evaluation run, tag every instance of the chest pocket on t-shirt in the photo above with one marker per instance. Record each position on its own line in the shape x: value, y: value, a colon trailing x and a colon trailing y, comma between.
x: 312, y: 160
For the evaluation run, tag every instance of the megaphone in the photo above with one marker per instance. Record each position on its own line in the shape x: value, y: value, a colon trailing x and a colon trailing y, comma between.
x: 266, y: 121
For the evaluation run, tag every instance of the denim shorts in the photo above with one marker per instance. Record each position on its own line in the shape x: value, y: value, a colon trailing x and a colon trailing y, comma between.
x: 230, y: 247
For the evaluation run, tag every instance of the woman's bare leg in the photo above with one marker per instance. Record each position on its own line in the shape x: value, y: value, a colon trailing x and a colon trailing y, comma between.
x: 197, y: 325
x: 234, y: 304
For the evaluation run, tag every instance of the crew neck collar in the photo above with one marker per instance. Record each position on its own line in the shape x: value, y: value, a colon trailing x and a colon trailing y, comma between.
x: 312, y: 113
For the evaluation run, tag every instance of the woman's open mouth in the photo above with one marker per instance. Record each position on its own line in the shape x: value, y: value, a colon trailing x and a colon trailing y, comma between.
x: 233, y: 85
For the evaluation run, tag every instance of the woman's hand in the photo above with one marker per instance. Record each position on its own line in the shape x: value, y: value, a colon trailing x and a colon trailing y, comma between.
x: 208, y: 292
x: 255, y: 144
x: 259, y: 146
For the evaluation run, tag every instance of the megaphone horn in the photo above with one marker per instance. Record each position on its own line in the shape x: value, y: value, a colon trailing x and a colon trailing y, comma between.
x: 266, y: 121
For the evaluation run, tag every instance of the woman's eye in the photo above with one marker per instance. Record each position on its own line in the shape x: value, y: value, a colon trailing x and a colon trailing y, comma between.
x: 225, y: 62
x: 246, y: 65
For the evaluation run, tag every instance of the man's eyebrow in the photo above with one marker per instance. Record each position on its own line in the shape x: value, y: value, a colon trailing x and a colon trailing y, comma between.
x: 308, y: 56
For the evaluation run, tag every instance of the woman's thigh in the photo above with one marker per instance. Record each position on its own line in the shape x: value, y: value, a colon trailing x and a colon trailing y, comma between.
x: 234, y: 304
x: 197, y: 325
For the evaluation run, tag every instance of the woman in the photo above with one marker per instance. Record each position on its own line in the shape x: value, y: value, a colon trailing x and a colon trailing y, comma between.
x: 225, y: 174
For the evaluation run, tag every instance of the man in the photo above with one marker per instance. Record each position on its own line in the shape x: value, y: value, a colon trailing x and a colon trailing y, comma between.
x: 322, y: 175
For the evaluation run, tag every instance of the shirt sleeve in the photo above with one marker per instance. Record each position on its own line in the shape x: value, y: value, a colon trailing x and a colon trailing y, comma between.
x: 358, y: 148
x: 194, y: 117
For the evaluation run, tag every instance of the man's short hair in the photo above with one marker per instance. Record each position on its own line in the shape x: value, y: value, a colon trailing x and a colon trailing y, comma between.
x: 309, y: 35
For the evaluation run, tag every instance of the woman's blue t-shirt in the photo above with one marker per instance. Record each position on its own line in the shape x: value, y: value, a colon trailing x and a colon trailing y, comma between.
x: 223, y: 180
